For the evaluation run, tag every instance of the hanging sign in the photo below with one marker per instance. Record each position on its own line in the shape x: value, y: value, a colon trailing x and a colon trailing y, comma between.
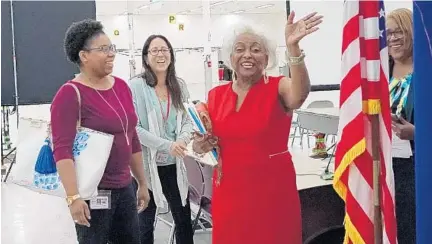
x: 116, y: 32
x: 172, y: 19
x: 181, y: 27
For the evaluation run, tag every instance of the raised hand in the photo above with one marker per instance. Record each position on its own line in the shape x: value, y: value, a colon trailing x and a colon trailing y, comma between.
x: 295, y: 31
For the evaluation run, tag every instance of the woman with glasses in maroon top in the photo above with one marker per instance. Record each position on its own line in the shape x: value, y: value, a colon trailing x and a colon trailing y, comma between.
x: 106, y: 106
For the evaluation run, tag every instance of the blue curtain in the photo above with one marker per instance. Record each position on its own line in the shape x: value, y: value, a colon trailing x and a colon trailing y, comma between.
x: 423, y: 118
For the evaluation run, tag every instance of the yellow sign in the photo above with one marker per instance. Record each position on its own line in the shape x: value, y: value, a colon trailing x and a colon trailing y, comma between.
x: 181, y: 27
x: 172, y: 19
x: 116, y: 32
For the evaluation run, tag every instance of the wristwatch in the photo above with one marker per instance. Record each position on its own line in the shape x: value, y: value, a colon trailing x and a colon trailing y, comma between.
x: 71, y: 199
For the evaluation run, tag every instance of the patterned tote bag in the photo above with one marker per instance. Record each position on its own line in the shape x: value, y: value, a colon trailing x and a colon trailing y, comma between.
x: 35, y: 167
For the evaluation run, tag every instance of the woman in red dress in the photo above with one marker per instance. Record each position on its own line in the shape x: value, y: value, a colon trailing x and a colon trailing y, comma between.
x: 256, y: 201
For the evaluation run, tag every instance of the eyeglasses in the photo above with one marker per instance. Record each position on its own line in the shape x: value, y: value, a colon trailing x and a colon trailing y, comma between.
x: 105, y: 49
x: 155, y: 51
x: 396, y: 34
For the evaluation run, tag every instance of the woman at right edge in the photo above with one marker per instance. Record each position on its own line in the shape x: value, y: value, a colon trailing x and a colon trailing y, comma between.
x: 400, y: 41
x: 251, y: 117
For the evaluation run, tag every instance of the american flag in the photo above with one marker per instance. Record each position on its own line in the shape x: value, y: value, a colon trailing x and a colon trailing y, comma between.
x: 364, y: 93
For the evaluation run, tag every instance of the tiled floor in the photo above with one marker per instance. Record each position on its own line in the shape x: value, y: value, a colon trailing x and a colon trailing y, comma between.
x: 31, y: 218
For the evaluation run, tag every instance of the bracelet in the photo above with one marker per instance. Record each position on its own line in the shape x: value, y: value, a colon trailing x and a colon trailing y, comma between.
x: 71, y: 199
x: 295, y: 60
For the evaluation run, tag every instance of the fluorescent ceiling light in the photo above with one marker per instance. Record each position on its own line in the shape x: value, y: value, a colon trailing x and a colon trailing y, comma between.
x: 195, y: 10
x: 265, y: 6
x: 184, y: 12
x: 144, y: 6
x: 238, y: 11
x: 219, y: 3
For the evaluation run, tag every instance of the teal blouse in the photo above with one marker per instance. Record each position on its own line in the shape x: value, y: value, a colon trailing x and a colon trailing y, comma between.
x: 167, y: 128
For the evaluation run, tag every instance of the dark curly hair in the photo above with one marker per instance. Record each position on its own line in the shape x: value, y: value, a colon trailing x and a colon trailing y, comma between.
x: 78, y: 35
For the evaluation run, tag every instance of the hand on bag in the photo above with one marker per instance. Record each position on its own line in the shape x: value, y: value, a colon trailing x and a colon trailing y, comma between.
x: 204, y: 143
x: 143, y: 198
x: 178, y: 149
x: 80, y: 212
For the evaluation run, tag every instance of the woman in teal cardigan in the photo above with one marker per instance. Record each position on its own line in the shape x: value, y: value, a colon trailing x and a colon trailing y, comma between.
x: 164, y: 129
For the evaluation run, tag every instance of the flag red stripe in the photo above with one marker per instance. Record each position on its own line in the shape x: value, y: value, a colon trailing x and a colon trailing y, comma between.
x: 350, y: 83
x: 368, y: 9
x: 363, y: 164
x: 351, y: 32
x: 362, y: 222
x: 372, y: 50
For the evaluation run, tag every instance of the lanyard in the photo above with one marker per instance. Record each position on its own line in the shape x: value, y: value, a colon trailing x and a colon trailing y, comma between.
x: 165, y: 118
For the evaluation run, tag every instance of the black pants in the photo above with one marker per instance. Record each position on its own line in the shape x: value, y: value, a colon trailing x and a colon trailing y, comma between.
x: 403, y: 169
x: 181, y: 215
x: 118, y: 225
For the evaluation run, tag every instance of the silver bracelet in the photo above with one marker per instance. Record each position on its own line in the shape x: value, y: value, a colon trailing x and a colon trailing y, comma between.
x: 295, y: 60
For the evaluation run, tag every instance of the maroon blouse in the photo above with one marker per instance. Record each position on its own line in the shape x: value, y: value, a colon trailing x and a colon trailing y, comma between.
x: 97, y: 115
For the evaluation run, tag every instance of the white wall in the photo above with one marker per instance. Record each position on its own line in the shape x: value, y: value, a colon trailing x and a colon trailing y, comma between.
x: 189, y: 63
x: 322, y: 48
x: 195, y: 33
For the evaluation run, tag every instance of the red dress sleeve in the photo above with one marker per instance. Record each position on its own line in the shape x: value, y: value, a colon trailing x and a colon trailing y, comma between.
x: 64, y: 118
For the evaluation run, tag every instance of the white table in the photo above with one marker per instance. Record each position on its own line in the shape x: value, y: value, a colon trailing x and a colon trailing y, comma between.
x: 308, y: 171
x: 324, y: 120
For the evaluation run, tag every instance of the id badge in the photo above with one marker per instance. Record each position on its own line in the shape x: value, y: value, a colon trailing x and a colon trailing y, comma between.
x: 161, y: 157
x: 102, y: 201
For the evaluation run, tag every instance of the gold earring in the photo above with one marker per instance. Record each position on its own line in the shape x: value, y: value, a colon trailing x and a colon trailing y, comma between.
x: 266, y: 80
x: 234, y: 76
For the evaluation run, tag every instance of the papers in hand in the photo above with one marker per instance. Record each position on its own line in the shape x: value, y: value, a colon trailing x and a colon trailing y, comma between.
x: 209, y: 158
x: 400, y: 148
x: 206, y: 159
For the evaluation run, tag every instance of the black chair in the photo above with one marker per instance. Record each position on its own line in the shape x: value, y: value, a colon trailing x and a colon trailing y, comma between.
x: 332, y: 235
x: 322, y: 209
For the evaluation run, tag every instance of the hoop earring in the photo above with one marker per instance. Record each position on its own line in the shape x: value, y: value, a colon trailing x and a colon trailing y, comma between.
x: 266, y: 80
x: 234, y: 76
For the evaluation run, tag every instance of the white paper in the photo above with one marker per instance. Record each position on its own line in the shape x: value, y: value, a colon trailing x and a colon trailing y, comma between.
x: 400, y: 148
x: 207, y: 159
x: 99, y: 202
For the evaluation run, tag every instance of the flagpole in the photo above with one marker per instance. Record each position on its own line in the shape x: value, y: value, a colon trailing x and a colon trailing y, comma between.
x: 378, y: 230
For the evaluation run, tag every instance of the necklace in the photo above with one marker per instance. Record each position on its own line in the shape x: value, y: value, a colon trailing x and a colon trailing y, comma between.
x: 165, y: 118
x: 124, y: 111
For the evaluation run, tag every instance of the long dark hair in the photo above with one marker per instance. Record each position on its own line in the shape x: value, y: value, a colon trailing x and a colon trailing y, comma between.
x: 173, y: 83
